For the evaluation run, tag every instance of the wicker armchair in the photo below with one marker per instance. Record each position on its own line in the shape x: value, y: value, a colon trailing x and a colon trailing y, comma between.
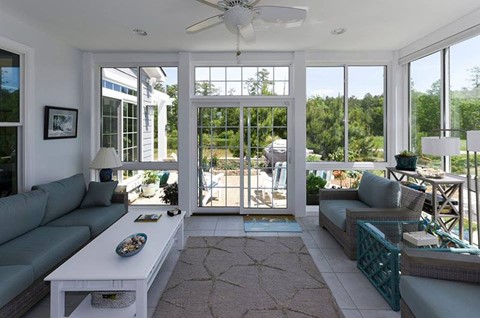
x: 458, y: 274
x: 411, y: 204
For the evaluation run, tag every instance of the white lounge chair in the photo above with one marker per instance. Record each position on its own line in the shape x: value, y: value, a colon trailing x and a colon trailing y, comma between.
x: 212, y: 184
x: 277, y: 182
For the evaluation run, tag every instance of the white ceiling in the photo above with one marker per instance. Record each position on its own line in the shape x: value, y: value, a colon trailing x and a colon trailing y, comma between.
x: 106, y: 25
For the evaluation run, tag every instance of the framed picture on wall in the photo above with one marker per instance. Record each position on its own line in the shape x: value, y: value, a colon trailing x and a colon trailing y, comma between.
x: 60, y: 123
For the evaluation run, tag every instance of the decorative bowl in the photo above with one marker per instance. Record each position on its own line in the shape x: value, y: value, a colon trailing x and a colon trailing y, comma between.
x: 131, y: 245
x: 431, y: 173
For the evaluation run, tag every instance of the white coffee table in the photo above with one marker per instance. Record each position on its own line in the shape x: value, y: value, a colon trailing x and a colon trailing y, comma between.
x: 97, y: 267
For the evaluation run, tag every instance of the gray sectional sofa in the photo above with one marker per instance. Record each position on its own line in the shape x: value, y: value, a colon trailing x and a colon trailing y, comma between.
x: 42, y: 228
x: 377, y: 199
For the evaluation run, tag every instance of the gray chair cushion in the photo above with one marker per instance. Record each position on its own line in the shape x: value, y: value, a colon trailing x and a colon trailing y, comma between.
x: 378, y: 192
x: 436, y: 298
x: 13, y: 280
x: 44, y: 247
x: 21, y: 213
x: 99, y: 194
x: 63, y: 196
x: 335, y: 210
x: 96, y: 218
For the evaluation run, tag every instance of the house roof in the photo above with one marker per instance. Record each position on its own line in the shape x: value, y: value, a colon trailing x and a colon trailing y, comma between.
x: 107, y: 25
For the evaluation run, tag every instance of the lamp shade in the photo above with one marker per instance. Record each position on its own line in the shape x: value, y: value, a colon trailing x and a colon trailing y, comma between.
x: 473, y: 140
x: 106, y: 158
x: 444, y: 146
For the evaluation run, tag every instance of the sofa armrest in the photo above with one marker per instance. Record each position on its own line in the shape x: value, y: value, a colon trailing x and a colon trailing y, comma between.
x: 376, y: 214
x: 441, y: 265
x: 338, y: 194
x: 121, y: 197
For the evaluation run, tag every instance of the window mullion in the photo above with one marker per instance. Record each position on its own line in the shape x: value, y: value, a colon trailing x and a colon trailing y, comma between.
x: 345, y: 105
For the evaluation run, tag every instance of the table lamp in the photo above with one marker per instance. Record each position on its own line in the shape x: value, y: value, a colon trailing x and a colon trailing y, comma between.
x: 106, y: 159
x: 441, y: 146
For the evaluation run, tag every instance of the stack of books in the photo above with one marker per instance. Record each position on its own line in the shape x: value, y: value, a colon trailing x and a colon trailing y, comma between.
x: 420, y: 238
x: 148, y: 218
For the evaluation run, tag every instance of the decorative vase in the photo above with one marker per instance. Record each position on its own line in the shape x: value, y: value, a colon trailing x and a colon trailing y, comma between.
x: 408, y: 163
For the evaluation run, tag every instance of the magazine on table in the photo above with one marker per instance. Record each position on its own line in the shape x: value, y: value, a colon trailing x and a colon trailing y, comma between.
x: 148, y: 218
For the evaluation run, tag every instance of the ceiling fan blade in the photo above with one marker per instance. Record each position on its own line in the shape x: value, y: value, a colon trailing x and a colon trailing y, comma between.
x: 247, y: 32
x: 202, y: 25
x: 283, y: 14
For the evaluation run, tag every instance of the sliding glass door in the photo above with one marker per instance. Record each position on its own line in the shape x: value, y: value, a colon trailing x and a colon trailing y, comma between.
x: 242, y: 157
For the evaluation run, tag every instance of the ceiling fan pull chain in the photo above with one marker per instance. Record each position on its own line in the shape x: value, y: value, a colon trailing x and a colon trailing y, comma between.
x: 238, y: 45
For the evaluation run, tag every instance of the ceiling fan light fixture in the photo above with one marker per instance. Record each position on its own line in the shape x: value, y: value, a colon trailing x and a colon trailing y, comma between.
x: 238, y: 17
x: 338, y: 31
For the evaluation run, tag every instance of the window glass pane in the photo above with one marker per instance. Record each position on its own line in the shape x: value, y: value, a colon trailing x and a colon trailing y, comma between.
x: 9, y: 87
x: 149, y: 187
x: 366, y: 85
x: 464, y: 95
x: 217, y: 74
x: 160, y: 115
x: 8, y: 161
x: 202, y: 74
x: 241, y: 81
x: 325, y: 114
x: 425, y: 103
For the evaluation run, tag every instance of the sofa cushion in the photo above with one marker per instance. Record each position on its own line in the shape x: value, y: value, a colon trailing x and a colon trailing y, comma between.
x: 13, y: 280
x: 21, y: 213
x: 96, y: 218
x: 99, y: 194
x: 64, y: 196
x: 335, y: 210
x: 44, y: 247
x: 434, y: 298
x: 378, y: 192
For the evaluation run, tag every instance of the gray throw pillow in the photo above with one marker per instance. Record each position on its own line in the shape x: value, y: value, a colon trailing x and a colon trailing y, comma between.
x: 99, y: 194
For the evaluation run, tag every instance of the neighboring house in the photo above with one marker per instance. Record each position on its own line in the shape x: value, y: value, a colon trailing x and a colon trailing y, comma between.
x: 121, y: 115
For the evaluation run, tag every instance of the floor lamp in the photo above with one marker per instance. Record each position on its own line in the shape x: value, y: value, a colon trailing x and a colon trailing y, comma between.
x: 473, y: 144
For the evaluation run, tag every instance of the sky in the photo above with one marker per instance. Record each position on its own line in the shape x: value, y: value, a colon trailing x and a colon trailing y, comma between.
x: 463, y: 57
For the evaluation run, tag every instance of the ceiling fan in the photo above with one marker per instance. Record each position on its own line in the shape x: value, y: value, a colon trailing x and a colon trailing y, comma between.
x: 239, y: 14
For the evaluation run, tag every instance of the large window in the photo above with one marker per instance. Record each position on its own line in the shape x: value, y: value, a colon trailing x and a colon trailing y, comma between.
x: 346, y: 129
x: 139, y: 119
x: 451, y: 101
x: 242, y: 81
x: 10, y: 124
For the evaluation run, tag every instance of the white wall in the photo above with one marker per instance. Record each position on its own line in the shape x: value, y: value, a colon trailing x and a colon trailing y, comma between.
x: 55, y: 80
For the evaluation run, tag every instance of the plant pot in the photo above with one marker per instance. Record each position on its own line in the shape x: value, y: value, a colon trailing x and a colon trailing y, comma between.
x: 408, y: 163
x: 312, y: 199
x: 149, y: 190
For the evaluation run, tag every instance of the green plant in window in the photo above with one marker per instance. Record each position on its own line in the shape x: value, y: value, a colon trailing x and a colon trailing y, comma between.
x: 150, y: 177
x: 170, y: 194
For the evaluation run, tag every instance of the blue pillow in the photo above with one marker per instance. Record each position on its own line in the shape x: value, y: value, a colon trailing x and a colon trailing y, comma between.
x: 378, y: 192
x: 99, y: 194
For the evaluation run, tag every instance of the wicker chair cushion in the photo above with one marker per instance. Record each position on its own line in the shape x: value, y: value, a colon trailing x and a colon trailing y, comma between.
x: 14, y: 279
x: 378, y: 192
x: 436, y: 298
x: 335, y: 210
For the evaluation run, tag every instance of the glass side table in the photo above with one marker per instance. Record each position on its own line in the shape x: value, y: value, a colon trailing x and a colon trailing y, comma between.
x: 379, y: 245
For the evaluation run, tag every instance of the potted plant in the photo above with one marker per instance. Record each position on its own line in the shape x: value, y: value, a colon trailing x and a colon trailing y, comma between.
x: 314, y: 184
x: 170, y: 194
x: 406, y: 160
x: 149, y: 183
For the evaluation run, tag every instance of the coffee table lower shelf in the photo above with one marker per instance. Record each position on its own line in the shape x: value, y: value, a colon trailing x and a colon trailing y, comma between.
x: 85, y: 309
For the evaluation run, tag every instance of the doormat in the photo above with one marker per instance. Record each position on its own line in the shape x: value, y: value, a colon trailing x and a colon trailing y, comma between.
x: 270, y: 223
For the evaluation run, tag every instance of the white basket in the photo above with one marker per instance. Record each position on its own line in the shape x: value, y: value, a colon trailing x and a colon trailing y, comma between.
x: 113, y: 299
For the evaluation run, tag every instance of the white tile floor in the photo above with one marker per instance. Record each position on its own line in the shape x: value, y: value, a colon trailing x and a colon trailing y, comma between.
x: 354, y: 294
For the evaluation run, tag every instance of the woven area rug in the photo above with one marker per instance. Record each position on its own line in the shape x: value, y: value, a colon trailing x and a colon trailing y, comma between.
x: 261, y: 277
x: 270, y: 223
